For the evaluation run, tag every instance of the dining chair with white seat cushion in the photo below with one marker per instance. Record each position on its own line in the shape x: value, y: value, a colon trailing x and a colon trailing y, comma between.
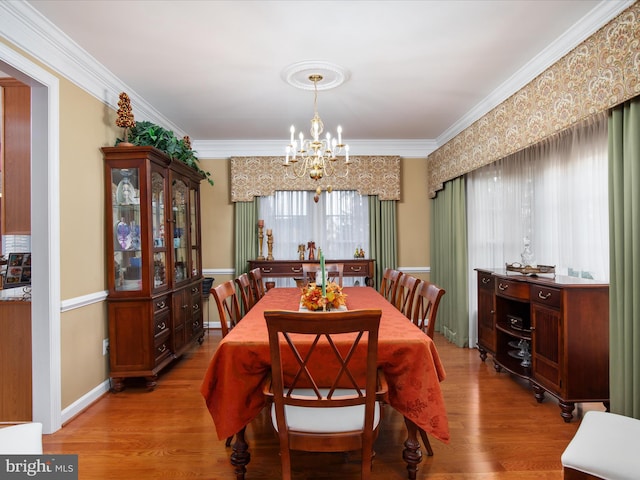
x: 605, y: 447
x: 21, y: 439
x: 335, y: 408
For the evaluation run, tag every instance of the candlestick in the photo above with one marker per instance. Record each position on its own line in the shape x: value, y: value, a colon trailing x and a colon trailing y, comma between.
x: 260, y: 239
x: 269, y: 244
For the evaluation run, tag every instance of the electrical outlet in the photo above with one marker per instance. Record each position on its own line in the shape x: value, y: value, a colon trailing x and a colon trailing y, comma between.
x: 105, y: 346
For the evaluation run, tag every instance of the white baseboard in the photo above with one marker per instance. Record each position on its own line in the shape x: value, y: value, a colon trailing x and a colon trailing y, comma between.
x: 85, y: 401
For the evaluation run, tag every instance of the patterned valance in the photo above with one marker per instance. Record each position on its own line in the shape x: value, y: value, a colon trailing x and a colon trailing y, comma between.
x: 600, y: 73
x: 262, y: 176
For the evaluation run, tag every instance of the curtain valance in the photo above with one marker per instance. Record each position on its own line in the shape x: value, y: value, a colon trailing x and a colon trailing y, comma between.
x: 601, y: 72
x: 261, y: 176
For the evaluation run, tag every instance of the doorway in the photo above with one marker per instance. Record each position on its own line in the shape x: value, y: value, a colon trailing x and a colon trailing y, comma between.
x: 45, y: 235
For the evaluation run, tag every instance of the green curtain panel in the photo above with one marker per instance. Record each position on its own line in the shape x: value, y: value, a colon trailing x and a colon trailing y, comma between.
x: 449, y: 261
x: 624, y: 290
x: 246, y: 234
x: 383, y: 234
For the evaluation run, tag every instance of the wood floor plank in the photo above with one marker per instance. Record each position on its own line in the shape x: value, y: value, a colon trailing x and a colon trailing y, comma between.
x: 498, y: 431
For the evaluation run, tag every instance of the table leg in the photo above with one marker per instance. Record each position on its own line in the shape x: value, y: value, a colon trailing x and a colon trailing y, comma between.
x: 411, y: 453
x: 241, y: 456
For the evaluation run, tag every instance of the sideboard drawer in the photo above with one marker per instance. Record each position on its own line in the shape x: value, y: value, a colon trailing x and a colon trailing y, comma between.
x: 356, y: 268
x: 545, y: 296
x: 512, y: 289
x: 280, y: 269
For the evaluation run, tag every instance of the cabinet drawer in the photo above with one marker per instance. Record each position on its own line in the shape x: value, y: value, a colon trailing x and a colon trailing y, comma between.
x: 161, y: 347
x: 486, y: 281
x: 161, y: 324
x: 512, y: 289
x: 545, y: 296
x: 196, y: 290
x: 160, y: 305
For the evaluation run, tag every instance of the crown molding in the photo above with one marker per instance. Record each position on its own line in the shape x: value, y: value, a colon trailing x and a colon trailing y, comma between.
x: 30, y: 31
x: 273, y: 148
x: 599, y: 16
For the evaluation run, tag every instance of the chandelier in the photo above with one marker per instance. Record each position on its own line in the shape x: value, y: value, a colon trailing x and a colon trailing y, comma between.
x: 316, y: 156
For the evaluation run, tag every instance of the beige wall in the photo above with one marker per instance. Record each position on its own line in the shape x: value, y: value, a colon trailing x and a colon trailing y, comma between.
x: 414, y: 216
x: 86, y: 124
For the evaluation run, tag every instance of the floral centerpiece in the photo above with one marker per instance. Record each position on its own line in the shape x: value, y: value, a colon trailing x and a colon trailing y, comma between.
x: 313, y: 300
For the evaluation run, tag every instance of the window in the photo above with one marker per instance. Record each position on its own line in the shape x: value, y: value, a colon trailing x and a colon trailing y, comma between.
x: 338, y: 224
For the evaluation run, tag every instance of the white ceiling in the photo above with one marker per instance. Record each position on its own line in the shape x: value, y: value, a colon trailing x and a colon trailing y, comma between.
x: 419, y: 70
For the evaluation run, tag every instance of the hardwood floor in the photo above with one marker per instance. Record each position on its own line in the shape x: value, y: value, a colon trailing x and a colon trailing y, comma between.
x: 498, y: 431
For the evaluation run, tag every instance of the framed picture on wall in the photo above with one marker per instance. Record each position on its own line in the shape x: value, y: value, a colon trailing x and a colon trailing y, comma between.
x: 18, y: 270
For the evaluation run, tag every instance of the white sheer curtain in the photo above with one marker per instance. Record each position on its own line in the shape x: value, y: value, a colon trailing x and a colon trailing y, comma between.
x: 338, y: 224
x: 556, y: 195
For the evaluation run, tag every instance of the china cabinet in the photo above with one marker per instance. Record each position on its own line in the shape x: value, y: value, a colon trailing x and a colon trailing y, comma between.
x: 553, y: 331
x: 154, y: 260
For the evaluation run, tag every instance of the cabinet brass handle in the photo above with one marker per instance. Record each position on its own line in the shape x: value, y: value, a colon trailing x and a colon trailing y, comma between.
x: 184, y: 307
x: 195, y: 290
x: 196, y: 324
x: 486, y: 280
x: 296, y: 270
x: 196, y: 307
x: 492, y: 312
x: 161, y: 305
x: 162, y: 326
x: 266, y: 270
x: 543, y: 296
x: 162, y: 348
x: 355, y: 269
x: 503, y: 287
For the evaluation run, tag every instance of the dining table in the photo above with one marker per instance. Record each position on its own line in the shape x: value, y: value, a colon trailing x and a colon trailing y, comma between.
x: 233, y: 383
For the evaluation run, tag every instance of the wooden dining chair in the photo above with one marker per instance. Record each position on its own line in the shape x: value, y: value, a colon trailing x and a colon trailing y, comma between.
x: 425, y: 309
x: 243, y: 284
x: 228, y: 305
x: 255, y: 276
x: 389, y: 284
x: 405, y: 294
x: 341, y: 413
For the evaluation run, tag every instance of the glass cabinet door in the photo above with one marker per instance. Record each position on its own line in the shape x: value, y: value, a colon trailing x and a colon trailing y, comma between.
x: 180, y: 197
x: 193, y: 233
x: 126, y: 231
x: 158, y: 222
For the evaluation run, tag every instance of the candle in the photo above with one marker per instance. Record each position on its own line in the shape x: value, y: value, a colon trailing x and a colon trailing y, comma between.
x: 322, y: 272
x: 261, y: 223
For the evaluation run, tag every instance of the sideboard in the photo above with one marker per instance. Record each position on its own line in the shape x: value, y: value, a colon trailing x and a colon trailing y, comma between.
x: 353, y: 267
x: 553, y: 331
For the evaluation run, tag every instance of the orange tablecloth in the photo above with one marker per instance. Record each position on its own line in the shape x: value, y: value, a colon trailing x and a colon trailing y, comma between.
x: 232, y: 386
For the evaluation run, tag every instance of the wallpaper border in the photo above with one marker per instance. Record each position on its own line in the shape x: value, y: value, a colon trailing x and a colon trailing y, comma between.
x: 368, y: 175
